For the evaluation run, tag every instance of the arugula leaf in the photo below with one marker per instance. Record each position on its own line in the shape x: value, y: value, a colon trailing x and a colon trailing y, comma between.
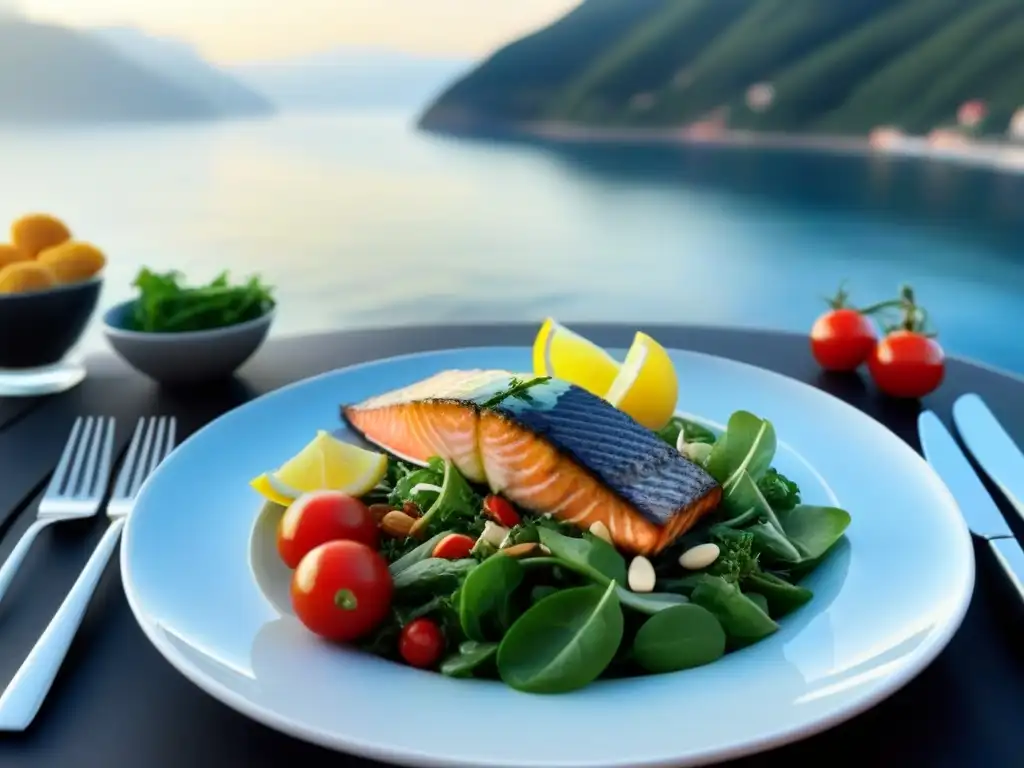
x: 166, y: 305
x: 432, y: 474
x: 779, y: 491
x: 456, y: 508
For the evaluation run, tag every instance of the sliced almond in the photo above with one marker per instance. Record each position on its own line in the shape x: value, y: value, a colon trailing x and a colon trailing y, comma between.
x: 379, y: 511
x: 600, y: 530
x: 397, y: 524
x: 527, y: 549
x: 641, y: 576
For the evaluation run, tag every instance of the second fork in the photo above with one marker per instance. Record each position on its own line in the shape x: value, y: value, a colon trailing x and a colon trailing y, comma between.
x: 153, y: 439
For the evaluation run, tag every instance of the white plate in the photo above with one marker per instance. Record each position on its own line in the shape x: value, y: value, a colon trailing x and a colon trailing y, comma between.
x: 886, y: 601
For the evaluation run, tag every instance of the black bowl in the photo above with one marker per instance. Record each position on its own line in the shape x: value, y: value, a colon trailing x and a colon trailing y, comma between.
x: 39, y: 328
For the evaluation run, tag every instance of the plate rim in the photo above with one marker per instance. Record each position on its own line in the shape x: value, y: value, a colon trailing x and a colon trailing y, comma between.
x: 921, y: 659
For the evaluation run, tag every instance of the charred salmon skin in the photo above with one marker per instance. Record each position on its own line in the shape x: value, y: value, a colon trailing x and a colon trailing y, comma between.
x: 548, y: 446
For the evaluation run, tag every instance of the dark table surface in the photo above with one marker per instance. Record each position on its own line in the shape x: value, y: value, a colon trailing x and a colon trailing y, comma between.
x: 117, y: 703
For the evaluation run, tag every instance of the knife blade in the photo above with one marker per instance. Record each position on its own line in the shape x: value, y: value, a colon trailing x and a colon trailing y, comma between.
x: 976, y: 505
x: 994, y: 449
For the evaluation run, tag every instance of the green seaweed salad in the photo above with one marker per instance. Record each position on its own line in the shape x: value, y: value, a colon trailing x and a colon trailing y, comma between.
x: 564, y: 617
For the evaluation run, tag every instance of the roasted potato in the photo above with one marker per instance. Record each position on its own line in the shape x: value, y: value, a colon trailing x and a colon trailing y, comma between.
x: 10, y: 254
x: 24, y: 276
x: 36, y: 232
x: 73, y: 261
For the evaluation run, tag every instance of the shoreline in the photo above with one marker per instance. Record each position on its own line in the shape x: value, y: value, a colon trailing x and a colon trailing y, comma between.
x: 1004, y: 157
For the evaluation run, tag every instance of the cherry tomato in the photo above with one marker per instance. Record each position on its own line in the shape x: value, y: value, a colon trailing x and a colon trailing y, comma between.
x: 500, y: 511
x: 842, y: 339
x: 316, y: 518
x: 421, y: 643
x: 907, y: 364
x: 342, y: 590
x: 454, y: 546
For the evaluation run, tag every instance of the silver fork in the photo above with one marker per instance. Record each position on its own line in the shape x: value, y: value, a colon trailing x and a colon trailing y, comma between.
x: 75, y: 490
x: 152, y: 441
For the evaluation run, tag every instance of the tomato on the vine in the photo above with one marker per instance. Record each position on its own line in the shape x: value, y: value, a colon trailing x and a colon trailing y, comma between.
x: 843, y: 337
x: 421, y: 643
x: 321, y: 516
x: 342, y: 590
x: 907, y: 364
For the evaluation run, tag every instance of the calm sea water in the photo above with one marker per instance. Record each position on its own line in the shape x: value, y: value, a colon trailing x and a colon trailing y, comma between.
x: 361, y: 221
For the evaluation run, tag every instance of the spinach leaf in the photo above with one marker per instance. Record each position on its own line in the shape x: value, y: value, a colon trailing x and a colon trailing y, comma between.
x: 744, y: 622
x: 541, y: 591
x: 779, y: 491
x: 813, y: 530
x: 485, y: 592
x: 471, y: 657
x: 433, y: 576
x: 747, y: 445
x: 590, y: 555
x: 680, y: 637
x: 432, y: 474
x: 564, y: 642
x: 650, y: 603
x: 782, y: 597
x: 456, y: 508
x: 759, y: 600
x: 421, y: 552
x: 692, y: 432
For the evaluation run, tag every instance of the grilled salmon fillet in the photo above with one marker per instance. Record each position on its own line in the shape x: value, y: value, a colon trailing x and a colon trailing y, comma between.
x: 552, y: 448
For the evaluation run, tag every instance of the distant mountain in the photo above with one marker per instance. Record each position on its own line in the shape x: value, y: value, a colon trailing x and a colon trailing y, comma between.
x: 179, y: 63
x: 350, y: 77
x: 50, y: 74
x: 774, y: 65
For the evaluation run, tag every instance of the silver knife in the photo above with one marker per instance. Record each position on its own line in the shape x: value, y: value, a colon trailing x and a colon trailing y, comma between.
x: 992, y: 447
x: 979, y: 510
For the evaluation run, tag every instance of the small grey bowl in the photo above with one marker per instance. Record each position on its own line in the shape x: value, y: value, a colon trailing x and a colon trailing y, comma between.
x: 187, y: 358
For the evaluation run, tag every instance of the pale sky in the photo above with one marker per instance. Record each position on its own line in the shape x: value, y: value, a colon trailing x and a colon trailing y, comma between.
x: 234, y: 30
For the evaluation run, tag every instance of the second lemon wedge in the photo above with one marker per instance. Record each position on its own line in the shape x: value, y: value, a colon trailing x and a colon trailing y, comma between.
x: 566, y: 355
x: 646, y: 386
x: 326, y: 463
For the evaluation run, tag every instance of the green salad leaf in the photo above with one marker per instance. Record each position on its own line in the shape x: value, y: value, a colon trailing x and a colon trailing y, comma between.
x: 484, y: 596
x: 650, y: 603
x: 814, y: 530
x: 590, y: 555
x: 747, y: 446
x: 680, y: 637
x: 417, y: 554
x: 781, y: 596
x: 409, y: 477
x: 563, y: 642
x: 456, y: 509
x: 692, y: 432
x: 431, y: 577
x: 743, y: 620
x: 471, y: 658
x: 166, y: 305
x: 779, y: 491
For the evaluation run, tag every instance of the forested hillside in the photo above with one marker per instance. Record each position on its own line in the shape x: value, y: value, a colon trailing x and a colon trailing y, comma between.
x: 828, y: 67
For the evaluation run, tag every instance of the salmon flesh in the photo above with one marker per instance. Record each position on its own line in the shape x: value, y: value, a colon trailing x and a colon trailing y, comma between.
x: 552, y: 448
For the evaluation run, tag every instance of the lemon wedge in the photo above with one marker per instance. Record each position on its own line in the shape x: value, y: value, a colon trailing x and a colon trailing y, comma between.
x: 566, y: 355
x: 646, y: 387
x: 326, y: 463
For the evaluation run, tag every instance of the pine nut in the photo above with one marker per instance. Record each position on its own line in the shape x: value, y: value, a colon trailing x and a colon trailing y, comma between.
x: 699, y: 557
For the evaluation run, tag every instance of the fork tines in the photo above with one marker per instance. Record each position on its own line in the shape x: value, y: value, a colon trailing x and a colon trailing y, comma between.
x: 85, y: 464
x: 153, y: 439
